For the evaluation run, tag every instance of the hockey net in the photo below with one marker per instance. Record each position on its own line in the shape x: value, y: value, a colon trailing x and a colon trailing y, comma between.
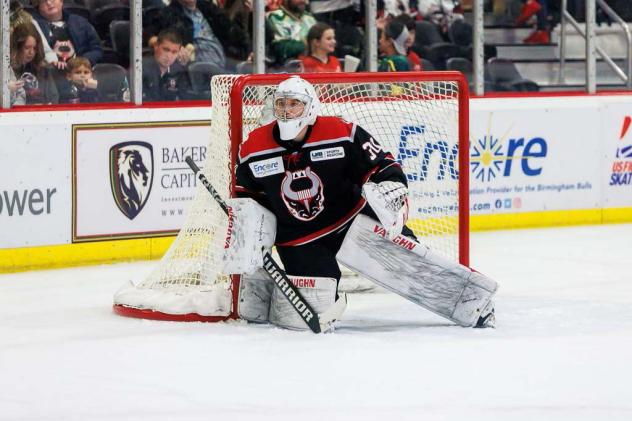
x: 420, y: 117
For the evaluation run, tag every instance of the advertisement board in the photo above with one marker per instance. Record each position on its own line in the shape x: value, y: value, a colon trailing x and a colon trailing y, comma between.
x: 34, y: 182
x: 617, y: 165
x: 130, y: 180
x: 526, y: 157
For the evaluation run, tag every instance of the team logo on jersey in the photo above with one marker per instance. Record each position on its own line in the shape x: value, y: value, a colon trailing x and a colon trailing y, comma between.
x: 325, y: 154
x: 131, y: 175
x: 267, y: 167
x: 302, y: 193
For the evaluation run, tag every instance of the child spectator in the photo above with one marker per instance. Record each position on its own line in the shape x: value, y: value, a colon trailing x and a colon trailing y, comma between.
x: 164, y: 78
x: 321, y: 43
x: 27, y: 61
x: 80, y: 86
x: 393, y: 48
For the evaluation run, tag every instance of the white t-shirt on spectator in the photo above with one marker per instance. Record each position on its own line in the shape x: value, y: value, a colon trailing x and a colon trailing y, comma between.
x: 324, y: 6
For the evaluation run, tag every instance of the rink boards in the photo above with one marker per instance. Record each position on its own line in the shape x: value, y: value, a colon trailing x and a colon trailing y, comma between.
x: 534, y: 161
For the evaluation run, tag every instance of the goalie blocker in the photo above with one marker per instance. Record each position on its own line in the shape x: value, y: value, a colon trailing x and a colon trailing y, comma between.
x: 416, y: 273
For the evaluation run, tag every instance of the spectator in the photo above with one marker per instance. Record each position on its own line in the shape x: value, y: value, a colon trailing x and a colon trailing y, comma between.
x: 345, y: 19
x: 440, y: 12
x: 414, y: 61
x: 19, y: 16
x: 164, y: 79
x: 290, y: 25
x: 69, y: 35
x: 27, y: 61
x: 272, y: 5
x: 395, y: 7
x: 335, y: 10
x: 240, y: 13
x: 207, y: 33
x: 505, y: 11
x: 321, y: 43
x: 539, y: 8
x: 80, y: 86
x: 393, y: 48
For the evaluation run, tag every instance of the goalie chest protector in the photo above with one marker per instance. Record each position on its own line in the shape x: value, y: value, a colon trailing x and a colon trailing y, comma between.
x: 313, y: 187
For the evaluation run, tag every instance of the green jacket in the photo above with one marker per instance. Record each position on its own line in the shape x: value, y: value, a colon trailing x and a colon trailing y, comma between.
x: 290, y: 33
x: 394, y: 63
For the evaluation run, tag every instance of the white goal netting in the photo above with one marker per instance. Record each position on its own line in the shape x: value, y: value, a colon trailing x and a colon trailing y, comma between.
x: 415, y: 116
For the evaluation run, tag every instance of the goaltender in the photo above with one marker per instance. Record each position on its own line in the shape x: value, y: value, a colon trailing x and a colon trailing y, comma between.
x: 310, y: 177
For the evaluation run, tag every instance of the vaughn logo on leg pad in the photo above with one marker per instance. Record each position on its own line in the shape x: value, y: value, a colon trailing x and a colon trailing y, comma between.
x: 400, y: 240
x: 304, y: 282
x: 229, y: 230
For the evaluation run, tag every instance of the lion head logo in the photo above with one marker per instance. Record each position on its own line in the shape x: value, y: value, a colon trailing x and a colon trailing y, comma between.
x: 302, y: 193
x: 131, y: 175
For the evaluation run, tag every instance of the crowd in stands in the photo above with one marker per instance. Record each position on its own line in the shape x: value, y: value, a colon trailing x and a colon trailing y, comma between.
x: 62, y: 51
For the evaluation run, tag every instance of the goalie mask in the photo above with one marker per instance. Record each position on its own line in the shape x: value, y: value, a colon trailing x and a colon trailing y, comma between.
x: 296, y: 106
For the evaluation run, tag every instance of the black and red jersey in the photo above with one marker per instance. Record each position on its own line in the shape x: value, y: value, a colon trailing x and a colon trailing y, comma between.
x: 314, y: 186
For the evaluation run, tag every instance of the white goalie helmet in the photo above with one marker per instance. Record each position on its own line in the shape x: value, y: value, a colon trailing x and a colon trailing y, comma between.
x: 296, y: 106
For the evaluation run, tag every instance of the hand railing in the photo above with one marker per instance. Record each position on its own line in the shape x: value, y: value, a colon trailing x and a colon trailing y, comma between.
x: 625, y: 76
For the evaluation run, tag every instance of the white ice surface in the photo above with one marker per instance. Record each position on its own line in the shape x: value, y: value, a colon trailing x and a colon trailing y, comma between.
x: 562, y: 349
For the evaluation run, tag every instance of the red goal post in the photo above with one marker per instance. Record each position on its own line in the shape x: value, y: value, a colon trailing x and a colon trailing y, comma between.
x: 420, y: 117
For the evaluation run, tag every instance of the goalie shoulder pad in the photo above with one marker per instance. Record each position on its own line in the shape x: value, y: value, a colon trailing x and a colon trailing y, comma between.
x: 251, y: 231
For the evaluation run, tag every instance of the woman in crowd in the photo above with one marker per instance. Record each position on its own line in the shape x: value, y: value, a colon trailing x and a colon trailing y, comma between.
x: 321, y: 43
x: 27, y: 61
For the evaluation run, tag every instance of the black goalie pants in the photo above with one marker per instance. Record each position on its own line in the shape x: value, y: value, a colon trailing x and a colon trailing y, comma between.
x: 318, y: 258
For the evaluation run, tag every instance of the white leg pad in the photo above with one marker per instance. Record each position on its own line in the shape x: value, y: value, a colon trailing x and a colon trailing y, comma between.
x: 320, y: 293
x: 255, y: 294
x: 416, y: 273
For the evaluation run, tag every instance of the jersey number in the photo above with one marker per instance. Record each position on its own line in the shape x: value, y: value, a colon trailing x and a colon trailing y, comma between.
x: 372, y: 147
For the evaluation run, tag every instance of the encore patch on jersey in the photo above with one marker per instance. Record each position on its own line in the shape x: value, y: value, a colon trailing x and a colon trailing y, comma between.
x: 330, y: 153
x: 267, y: 167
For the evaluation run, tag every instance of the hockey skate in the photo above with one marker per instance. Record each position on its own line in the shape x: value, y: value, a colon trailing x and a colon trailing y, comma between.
x: 488, y: 317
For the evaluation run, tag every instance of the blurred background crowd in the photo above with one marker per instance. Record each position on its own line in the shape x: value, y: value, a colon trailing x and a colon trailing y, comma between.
x: 77, y: 51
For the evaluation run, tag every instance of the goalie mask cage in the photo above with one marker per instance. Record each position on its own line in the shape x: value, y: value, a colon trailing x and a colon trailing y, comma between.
x: 420, y: 117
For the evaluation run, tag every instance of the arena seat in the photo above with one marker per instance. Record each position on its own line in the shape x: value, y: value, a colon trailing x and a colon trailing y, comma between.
x: 505, y: 77
x: 112, y: 80
x: 200, y: 73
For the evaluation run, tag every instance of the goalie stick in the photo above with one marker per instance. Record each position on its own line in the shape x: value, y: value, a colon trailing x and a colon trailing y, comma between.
x: 278, y: 276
